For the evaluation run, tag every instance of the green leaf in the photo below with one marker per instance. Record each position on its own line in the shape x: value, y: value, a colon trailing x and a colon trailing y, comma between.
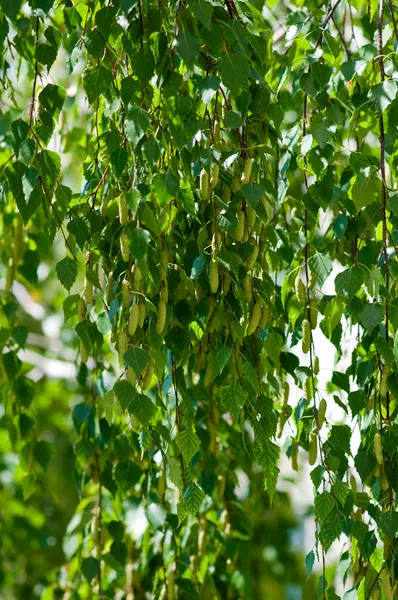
x: 66, y: 271
x: 87, y: 331
x: 330, y: 530
x: 341, y: 380
x: 267, y: 455
x: 193, y: 498
x: 203, y: 11
x: 223, y: 357
x: 125, y: 393
x: 97, y: 81
x: 90, y: 568
x: 70, y: 306
x: 156, y: 515
x: 321, y: 265
x: 187, y: 46
x: 19, y: 132
x: 317, y: 476
x: 188, y: 443
x: 322, y: 129
x: 341, y: 491
x: 233, y: 398
x: 208, y: 87
x: 138, y: 241
x: 367, y: 188
x: 165, y: 187
x: 229, y: 260
x: 324, y: 504
x: 252, y: 192
x: 175, y: 472
x: 142, y: 408
x: 309, y: 562
x: 234, y: 71
x: 357, y: 401
x: 349, y: 282
x: 371, y: 315
x: 107, y: 403
x: 119, y: 159
x: 15, y: 173
x: 383, y: 94
x: 143, y: 65
x: 388, y: 523
x: 137, y: 359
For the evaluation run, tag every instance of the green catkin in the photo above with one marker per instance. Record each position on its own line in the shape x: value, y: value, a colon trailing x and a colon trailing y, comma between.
x: 104, y: 207
x: 247, y: 288
x: 212, y: 304
x: 265, y: 317
x: 215, y: 241
x: 214, y: 174
x: 313, y: 313
x: 134, y: 318
x: 306, y: 343
x: 213, y: 322
x: 316, y: 365
x: 226, y: 283
x: 240, y: 227
x: 376, y: 594
x: 294, y: 457
x: 300, y: 291
x: 147, y: 377
x: 247, y: 170
x: 164, y: 291
x: 164, y: 259
x: 236, y: 184
x: 110, y: 294
x: 313, y: 449
x: 141, y: 315
x: 208, y: 378
x: 253, y: 257
x: 131, y: 376
x: 384, y: 481
x: 353, y: 484
x: 123, y: 210
x: 312, y: 280
x: 81, y: 310
x: 250, y: 216
x: 83, y: 353
x: 321, y: 413
x: 378, y: 449
x: 88, y: 291
x: 285, y: 393
x: 124, y: 247
x: 213, y: 273
x: 217, y: 131
x: 386, y: 584
x: 180, y: 291
x: 308, y: 389
x: 161, y: 320
x: 125, y: 293
x: 204, y: 185
x: 226, y: 193
x: 383, y: 382
x: 122, y: 342
x: 254, y: 319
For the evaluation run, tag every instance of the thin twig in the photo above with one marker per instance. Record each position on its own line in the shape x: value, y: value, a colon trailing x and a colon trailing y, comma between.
x: 32, y: 103
x: 383, y: 180
x: 394, y: 23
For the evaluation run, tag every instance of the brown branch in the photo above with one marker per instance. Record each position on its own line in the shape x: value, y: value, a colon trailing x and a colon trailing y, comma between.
x: 383, y: 180
x: 325, y: 22
x: 32, y: 103
x: 394, y: 23
x: 363, y: 234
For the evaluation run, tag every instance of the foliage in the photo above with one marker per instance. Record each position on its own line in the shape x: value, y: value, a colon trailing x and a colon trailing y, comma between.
x: 192, y: 171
